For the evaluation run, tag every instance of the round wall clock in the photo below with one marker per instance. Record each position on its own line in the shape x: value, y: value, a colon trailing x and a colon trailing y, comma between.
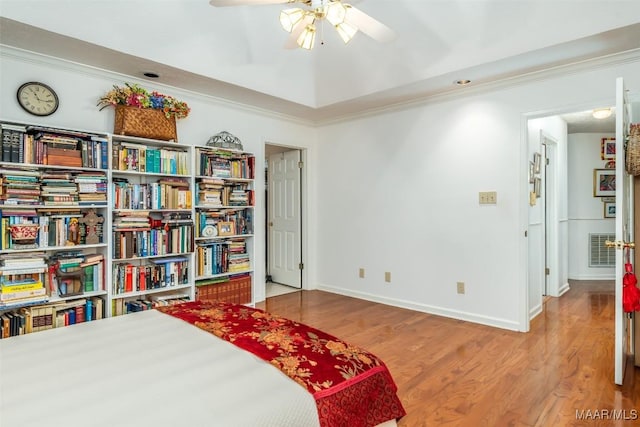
x: 37, y: 98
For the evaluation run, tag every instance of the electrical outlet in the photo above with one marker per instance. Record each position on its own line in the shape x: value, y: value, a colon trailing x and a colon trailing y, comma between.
x: 460, y: 287
x: 361, y: 273
x: 387, y: 276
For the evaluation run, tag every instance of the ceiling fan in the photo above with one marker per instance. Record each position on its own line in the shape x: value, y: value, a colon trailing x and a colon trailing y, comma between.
x: 302, y: 22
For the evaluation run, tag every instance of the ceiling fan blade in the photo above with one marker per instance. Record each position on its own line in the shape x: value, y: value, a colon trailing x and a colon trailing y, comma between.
x: 368, y: 25
x: 223, y: 3
x: 292, y: 40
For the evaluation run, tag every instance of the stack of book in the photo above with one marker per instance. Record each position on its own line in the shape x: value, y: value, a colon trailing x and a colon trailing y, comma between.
x: 21, y: 281
x: 59, y: 189
x: 20, y: 187
x: 92, y: 188
x: 238, y: 256
x: 210, y: 192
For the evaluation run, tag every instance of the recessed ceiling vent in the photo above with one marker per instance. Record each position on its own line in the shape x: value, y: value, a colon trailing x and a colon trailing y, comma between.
x: 599, y: 254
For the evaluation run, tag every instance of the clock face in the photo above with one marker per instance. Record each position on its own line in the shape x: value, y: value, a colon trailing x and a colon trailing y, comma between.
x: 37, y: 99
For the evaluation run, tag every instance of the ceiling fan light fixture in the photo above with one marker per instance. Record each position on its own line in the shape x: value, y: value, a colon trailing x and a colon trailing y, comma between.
x: 289, y: 18
x: 346, y: 31
x: 336, y: 13
x: 601, y: 113
x: 308, y: 37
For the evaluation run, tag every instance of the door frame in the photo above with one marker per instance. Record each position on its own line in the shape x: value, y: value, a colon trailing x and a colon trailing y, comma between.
x: 524, y: 320
x: 551, y: 217
x: 304, y: 210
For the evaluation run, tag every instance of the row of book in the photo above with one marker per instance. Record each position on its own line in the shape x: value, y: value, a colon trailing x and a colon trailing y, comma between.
x: 235, y: 289
x: 168, y: 193
x: 216, y: 193
x: 39, y: 318
x: 225, y: 164
x: 35, y: 279
x: 52, y: 187
x: 122, y: 306
x: 226, y: 256
x: 161, y: 273
x: 141, y: 158
x: 141, y: 238
x: 46, y: 146
x: 54, y: 228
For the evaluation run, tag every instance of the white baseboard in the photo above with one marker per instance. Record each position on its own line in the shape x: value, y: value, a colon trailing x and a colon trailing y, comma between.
x: 593, y: 277
x: 564, y: 289
x: 439, y: 311
x: 534, y: 311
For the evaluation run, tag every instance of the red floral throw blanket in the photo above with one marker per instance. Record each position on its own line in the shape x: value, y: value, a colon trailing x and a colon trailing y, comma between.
x: 351, y: 386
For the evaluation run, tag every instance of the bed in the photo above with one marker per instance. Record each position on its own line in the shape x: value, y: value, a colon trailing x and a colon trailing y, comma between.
x: 192, y: 364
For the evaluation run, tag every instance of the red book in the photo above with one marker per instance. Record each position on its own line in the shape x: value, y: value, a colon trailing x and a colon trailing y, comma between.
x: 128, y: 278
x: 79, y: 314
x: 143, y: 279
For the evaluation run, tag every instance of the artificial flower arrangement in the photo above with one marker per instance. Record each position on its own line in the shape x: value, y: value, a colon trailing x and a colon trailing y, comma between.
x: 135, y: 96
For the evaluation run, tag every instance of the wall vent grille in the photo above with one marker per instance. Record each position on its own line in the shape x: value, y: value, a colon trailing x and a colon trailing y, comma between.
x: 599, y: 254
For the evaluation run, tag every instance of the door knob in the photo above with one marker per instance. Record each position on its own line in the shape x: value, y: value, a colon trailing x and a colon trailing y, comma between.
x: 619, y: 244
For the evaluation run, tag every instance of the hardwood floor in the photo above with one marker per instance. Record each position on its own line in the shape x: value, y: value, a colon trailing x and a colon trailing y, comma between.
x: 454, y: 373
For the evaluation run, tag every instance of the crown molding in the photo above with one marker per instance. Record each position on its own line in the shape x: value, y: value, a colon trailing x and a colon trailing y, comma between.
x: 117, y: 78
x: 607, y: 61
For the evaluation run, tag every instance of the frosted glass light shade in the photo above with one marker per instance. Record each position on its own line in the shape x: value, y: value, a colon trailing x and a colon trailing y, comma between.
x: 289, y: 18
x: 346, y: 31
x: 336, y: 13
x: 308, y: 37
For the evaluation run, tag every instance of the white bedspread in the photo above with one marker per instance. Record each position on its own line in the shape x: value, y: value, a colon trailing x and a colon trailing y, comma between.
x: 142, y: 369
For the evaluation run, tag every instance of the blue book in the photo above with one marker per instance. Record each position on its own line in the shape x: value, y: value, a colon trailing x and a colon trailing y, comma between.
x: 88, y: 311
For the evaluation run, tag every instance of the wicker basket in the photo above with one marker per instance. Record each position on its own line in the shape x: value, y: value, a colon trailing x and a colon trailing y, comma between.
x: 632, y: 160
x: 145, y: 123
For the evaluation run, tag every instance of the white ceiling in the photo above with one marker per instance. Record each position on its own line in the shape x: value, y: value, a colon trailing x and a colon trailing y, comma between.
x: 237, y: 53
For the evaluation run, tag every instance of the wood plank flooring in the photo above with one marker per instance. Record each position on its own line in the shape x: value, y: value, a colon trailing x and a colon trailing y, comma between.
x: 454, y: 373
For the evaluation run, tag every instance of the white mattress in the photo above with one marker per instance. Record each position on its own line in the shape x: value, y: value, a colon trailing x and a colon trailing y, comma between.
x: 142, y: 369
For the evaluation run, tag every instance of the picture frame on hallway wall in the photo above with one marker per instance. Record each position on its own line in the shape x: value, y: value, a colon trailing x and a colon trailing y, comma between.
x: 609, y: 210
x: 537, y: 186
x: 608, y: 149
x: 604, y: 182
x: 536, y: 162
x: 532, y: 173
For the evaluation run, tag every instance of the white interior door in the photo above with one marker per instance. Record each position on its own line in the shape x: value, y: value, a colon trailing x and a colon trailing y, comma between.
x: 284, y: 220
x: 624, y: 227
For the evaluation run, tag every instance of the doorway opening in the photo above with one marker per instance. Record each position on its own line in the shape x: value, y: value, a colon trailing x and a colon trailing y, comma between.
x: 284, y: 190
x: 562, y: 211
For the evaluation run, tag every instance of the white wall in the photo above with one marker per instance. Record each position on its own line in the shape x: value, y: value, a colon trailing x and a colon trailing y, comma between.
x: 401, y: 196
x: 79, y: 88
x: 586, y: 212
x: 396, y: 191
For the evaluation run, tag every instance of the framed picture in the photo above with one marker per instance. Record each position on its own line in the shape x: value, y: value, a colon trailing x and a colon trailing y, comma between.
x: 226, y: 228
x: 609, y: 210
x: 608, y: 149
x: 536, y: 187
x: 604, y: 182
x: 536, y: 162
x: 532, y: 174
